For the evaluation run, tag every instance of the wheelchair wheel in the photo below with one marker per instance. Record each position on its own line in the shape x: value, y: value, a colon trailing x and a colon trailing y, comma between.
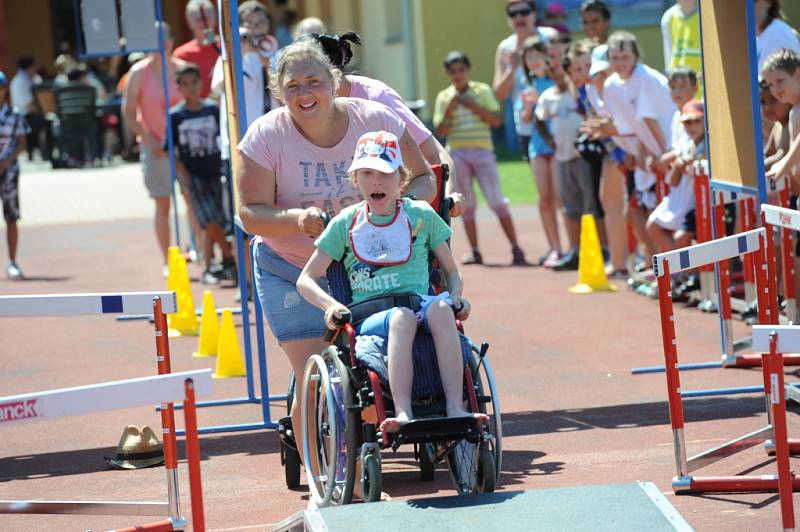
x: 427, y: 469
x: 290, y: 458
x: 329, y: 460
x: 487, y: 476
x: 372, y: 482
x: 489, y: 403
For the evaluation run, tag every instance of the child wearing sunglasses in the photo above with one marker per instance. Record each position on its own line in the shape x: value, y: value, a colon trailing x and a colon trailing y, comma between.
x: 384, y: 243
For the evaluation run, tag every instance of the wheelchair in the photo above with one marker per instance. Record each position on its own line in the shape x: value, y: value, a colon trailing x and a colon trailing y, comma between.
x: 346, y: 398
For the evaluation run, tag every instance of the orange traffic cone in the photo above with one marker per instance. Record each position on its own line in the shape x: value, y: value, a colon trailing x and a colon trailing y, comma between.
x: 209, y: 328
x: 591, y: 266
x: 229, y: 356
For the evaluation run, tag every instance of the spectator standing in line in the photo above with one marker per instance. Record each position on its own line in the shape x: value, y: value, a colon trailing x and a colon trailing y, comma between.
x: 145, y: 113
x: 559, y: 106
x: 772, y: 32
x: 13, y: 131
x: 23, y: 101
x: 596, y: 20
x: 680, y: 30
x: 195, y: 128
x: 463, y: 113
x: 203, y: 49
x: 540, y: 152
x: 782, y: 73
x: 638, y: 99
x: 509, y: 76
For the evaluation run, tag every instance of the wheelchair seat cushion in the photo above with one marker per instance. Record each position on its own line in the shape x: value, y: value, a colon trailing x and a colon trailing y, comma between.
x: 371, y: 351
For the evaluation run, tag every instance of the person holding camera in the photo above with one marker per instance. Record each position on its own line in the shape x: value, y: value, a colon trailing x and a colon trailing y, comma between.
x: 464, y: 113
x: 203, y: 49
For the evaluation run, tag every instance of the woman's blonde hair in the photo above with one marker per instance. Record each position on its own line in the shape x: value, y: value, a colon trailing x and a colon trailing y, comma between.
x: 305, y: 50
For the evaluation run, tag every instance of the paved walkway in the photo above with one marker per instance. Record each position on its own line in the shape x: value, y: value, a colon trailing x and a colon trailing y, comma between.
x: 114, y: 192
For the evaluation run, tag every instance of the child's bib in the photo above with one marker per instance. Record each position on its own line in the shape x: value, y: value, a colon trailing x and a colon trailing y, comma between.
x: 381, y: 245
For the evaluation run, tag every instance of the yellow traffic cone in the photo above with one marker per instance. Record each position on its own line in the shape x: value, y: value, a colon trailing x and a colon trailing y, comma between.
x: 172, y: 254
x: 591, y: 266
x: 229, y: 357
x: 209, y: 328
x: 183, y: 322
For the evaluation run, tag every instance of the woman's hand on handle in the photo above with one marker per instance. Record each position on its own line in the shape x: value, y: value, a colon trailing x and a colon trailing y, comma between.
x: 334, y: 314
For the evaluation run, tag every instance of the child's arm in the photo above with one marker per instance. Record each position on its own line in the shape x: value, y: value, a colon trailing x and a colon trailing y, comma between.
x: 21, y: 147
x: 443, y: 128
x: 785, y: 164
x: 455, y: 283
x: 309, y: 287
x: 493, y: 119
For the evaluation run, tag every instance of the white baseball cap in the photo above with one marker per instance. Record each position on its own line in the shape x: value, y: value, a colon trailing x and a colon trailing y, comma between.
x: 378, y: 150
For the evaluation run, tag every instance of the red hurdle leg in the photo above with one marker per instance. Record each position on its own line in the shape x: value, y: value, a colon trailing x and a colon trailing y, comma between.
x: 193, y: 458
x: 724, y: 283
x: 778, y: 404
x: 748, y: 273
x: 167, y: 412
x: 671, y: 365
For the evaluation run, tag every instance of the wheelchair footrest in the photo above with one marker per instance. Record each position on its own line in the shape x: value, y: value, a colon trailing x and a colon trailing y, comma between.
x: 438, y: 429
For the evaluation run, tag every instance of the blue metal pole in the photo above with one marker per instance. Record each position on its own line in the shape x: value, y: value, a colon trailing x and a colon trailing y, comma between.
x: 170, y: 140
x: 681, y: 367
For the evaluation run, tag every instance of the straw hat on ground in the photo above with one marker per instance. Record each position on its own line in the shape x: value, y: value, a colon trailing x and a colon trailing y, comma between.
x: 138, y: 448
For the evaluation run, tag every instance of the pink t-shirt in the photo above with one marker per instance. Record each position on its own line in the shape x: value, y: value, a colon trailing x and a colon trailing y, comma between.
x: 150, y: 108
x: 307, y: 175
x: 378, y: 91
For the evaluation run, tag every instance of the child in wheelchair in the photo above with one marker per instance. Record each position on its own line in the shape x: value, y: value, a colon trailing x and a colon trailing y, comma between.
x: 384, y: 243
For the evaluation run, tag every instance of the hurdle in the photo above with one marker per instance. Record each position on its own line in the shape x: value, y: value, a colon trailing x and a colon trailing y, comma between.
x: 754, y: 243
x: 183, y: 386
x: 711, y: 207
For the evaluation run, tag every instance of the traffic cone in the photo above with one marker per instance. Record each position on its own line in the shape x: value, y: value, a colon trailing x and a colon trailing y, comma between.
x: 183, y: 322
x: 209, y: 328
x: 591, y: 266
x: 229, y: 356
x: 172, y: 254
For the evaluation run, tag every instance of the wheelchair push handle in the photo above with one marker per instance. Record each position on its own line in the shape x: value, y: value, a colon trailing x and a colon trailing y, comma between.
x: 343, y: 319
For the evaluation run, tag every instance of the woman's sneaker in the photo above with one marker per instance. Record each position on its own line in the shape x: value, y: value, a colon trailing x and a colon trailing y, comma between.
x: 518, y: 256
x: 473, y: 257
x: 13, y: 272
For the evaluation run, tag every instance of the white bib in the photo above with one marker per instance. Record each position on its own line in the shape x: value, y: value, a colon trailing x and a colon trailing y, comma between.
x: 381, y: 245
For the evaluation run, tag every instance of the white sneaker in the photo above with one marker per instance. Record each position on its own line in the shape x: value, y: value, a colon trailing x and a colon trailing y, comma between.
x: 13, y: 272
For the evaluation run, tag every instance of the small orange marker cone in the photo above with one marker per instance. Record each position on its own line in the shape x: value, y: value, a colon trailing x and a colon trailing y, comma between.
x: 591, y: 266
x: 209, y: 328
x: 229, y: 356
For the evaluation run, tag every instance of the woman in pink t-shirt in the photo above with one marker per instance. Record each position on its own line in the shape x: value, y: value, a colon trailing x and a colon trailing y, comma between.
x: 339, y: 51
x: 293, y: 166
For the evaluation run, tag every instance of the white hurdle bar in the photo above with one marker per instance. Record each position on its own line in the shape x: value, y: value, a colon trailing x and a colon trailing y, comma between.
x: 78, y: 304
x: 92, y: 398
x: 707, y: 253
x: 168, y: 388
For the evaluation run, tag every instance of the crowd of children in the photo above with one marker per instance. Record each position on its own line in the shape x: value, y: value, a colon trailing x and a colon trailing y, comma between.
x: 609, y: 136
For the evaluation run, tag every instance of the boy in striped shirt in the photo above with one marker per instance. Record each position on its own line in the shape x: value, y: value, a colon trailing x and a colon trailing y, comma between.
x: 464, y: 113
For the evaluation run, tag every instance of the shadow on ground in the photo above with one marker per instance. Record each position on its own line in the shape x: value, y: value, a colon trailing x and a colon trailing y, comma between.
x: 82, y: 461
x: 628, y: 416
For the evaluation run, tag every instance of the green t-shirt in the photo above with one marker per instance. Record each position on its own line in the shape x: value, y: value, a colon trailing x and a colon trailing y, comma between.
x: 428, y: 231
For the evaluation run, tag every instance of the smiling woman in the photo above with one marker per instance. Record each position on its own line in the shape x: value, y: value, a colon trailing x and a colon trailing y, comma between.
x: 293, y: 167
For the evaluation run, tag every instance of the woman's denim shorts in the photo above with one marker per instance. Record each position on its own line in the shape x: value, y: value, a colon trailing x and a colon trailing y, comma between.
x: 290, y: 317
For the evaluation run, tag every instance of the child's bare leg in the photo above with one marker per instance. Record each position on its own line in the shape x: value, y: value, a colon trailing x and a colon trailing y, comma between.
x: 12, y: 237
x: 637, y: 218
x: 442, y: 324
x: 548, y: 202
x: 402, y: 329
x: 661, y: 238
